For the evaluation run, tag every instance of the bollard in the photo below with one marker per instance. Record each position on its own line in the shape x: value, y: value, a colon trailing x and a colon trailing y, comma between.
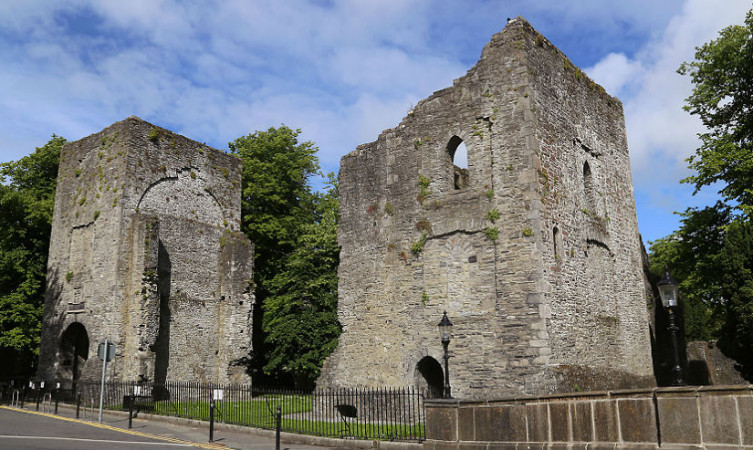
x: 57, y: 399
x: 78, y: 405
x: 130, y: 411
x: 278, y: 416
x: 211, y: 420
x: 38, y: 400
x: 23, y: 397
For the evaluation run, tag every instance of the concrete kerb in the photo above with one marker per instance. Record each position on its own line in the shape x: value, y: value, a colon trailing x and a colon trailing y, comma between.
x: 288, y: 438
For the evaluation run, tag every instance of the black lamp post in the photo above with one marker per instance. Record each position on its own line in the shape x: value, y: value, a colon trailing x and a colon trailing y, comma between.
x: 445, y: 330
x: 669, y: 296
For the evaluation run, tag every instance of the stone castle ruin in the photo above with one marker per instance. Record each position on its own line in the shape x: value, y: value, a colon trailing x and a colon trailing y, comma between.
x: 146, y: 252
x: 533, y: 250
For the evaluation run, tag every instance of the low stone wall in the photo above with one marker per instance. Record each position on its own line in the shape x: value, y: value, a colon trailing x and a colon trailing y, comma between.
x: 718, y: 417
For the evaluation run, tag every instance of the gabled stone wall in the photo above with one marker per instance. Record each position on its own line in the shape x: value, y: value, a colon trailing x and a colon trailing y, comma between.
x: 533, y: 251
x: 146, y: 251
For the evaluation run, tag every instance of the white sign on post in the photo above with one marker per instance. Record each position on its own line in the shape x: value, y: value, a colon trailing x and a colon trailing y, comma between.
x: 41, y: 385
x: 57, y: 385
x: 217, y: 394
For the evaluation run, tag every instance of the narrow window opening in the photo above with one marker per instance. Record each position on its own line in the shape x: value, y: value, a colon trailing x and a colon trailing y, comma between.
x: 459, y: 155
x: 556, y: 241
x: 588, y: 186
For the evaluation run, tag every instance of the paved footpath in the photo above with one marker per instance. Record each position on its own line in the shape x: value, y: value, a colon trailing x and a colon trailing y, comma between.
x: 28, y: 428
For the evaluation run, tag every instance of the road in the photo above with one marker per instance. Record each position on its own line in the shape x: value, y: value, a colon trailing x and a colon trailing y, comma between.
x: 23, y: 430
x: 31, y: 430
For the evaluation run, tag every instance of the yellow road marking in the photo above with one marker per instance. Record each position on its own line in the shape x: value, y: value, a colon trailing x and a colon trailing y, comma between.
x: 122, y: 430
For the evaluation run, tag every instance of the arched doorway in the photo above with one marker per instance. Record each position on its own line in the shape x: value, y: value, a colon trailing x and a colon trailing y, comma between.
x: 73, y: 353
x: 429, y: 376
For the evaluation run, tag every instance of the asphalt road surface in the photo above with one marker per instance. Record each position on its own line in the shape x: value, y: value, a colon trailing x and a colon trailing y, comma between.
x: 26, y: 431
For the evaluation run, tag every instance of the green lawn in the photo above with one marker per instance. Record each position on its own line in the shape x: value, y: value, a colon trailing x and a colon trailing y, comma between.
x: 260, y: 413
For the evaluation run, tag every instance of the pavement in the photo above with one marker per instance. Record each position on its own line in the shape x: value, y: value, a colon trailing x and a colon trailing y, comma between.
x: 27, y: 428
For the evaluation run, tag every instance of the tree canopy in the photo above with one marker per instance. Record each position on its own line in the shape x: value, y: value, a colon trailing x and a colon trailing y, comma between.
x: 294, y: 231
x: 722, y: 76
x: 711, y: 255
x: 27, y: 196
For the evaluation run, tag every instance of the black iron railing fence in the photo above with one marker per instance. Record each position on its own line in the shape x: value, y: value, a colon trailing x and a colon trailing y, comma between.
x: 356, y: 413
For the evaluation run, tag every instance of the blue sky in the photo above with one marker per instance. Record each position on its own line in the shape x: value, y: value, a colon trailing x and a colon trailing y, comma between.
x: 341, y: 70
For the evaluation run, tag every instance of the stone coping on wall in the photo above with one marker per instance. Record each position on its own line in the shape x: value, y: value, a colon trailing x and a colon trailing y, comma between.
x: 697, y: 417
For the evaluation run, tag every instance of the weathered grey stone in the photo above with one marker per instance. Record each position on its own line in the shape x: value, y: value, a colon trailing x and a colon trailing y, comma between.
x: 538, y: 422
x: 637, y: 420
x: 559, y: 421
x: 442, y: 423
x: 466, y: 424
x: 605, y: 421
x: 582, y: 420
x: 678, y: 417
x: 146, y: 251
x: 534, y: 254
x: 745, y: 409
x: 716, y: 428
x: 500, y: 423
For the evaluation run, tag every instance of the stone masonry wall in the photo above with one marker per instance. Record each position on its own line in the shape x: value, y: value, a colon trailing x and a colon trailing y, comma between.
x: 415, y: 244
x: 678, y: 418
x: 146, y: 250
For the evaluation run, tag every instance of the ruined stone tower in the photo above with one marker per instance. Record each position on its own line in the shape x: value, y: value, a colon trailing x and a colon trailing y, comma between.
x: 533, y: 250
x: 145, y: 251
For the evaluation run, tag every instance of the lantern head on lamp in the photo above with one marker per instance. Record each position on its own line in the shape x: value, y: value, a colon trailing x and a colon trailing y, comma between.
x: 668, y: 289
x: 445, y: 328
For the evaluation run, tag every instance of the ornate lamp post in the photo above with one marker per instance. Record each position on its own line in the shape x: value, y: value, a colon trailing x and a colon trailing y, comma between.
x: 669, y: 296
x: 445, y: 330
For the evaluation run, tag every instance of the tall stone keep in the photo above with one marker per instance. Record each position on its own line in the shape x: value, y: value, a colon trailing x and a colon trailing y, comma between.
x: 146, y: 252
x: 533, y: 249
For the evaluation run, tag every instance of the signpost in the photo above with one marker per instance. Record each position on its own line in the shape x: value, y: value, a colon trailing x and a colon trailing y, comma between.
x: 105, y: 352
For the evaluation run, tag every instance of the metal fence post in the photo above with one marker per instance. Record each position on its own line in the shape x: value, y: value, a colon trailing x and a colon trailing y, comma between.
x: 130, y: 411
x: 57, y: 399
x: 278, y: 416
x: 211, y: 419
x: 37, y: 391
x: 78, y: 405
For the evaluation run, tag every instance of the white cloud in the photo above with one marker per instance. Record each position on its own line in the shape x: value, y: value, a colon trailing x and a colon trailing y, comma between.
x: 615, y: 72
x: 660, y: 134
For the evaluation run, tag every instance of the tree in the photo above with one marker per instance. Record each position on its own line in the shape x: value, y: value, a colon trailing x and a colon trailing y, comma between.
x: 722, y: 76
x: 295, y: 265
x: 27, y: 196
x: 692, y: 253
x: 301, y: 311
x: 736, y: 267
x: 712, y: 252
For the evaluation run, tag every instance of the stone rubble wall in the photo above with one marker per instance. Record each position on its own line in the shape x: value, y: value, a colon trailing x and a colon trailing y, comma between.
x: 413, y: 246
x: 146, y: 232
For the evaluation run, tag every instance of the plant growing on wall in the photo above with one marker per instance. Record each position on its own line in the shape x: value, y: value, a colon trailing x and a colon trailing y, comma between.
x: 418, y: 246
x: 423, y: 188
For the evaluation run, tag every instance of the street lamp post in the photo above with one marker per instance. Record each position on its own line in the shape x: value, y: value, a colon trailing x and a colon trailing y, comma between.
x: 445, y: 330
x: 669, y: 296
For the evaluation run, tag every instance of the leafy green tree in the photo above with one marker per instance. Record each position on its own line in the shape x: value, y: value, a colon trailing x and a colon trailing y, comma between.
x: 301, y: 311
x: 692, y: 253
x: 295, y: 268
x: 736, y: 267
x: 27, y: 193
x: 722, y: 76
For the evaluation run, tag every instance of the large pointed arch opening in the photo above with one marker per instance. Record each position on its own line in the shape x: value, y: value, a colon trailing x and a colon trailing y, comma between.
x: 73, y: 353
x: 429, y: 376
